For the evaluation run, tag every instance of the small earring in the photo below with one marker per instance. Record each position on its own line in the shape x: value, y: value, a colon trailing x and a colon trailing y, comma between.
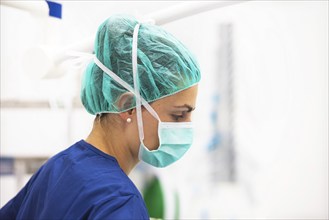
x: 128, y: 120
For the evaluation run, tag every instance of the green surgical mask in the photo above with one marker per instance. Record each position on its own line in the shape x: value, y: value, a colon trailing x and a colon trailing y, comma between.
x: 175, y: 139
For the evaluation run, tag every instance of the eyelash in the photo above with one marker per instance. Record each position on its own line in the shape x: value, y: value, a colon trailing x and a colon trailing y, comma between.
x: 177, y: 117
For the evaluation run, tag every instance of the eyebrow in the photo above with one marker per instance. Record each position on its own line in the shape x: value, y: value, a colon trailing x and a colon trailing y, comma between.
x: 190, y: 108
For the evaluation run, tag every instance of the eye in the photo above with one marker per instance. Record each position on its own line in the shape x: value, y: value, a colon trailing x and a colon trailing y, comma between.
x: 177, y: 117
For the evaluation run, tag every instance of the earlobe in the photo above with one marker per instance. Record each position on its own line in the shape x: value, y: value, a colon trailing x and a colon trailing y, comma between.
x: 127, y: 116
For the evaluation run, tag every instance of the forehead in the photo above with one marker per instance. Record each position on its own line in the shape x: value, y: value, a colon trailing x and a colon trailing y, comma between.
x: 187, y: 96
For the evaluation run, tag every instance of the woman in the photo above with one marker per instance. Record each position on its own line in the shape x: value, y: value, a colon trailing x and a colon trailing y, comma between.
x: 142, y: 87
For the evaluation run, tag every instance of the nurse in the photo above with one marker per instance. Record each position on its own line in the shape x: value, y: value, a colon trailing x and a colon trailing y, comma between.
x: 142, y: 87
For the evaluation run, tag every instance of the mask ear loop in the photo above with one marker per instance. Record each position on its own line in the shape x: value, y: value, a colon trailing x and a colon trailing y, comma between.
x: 139, y: 99
x: 136, y: 84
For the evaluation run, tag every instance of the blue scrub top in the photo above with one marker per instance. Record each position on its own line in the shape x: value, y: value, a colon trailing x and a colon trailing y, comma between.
x: 81, y: 182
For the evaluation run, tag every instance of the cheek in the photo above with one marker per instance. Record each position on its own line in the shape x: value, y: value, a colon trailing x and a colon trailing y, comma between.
x: 132, y: 135
x: 151, y: 139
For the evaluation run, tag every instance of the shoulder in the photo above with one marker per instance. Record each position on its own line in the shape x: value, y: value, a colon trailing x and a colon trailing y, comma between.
x: 92, y: 184
x: 80, y: 171
x: 87, y: 167
x: 95, y: 173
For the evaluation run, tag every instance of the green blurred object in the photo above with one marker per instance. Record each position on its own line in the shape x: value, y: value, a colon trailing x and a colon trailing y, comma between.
x: 154, y: 199
x: 165, y: 66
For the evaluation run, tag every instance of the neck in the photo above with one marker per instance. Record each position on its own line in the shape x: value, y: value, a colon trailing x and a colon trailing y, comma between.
x: 112, y: 142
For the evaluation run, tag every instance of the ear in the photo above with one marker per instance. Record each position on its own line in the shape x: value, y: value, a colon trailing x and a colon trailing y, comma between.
x: 125, y: 101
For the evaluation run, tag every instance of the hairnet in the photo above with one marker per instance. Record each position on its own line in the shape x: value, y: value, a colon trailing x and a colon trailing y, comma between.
x: 165, y: 66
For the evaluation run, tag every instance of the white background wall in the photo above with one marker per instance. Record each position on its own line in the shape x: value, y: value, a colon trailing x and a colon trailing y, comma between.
x: 281, y: 103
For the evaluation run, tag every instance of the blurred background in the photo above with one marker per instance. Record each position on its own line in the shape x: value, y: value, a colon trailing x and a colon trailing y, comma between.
x: 261, y: 145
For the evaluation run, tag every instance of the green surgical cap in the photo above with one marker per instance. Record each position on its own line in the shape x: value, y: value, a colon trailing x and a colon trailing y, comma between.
x: 165, y: 66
